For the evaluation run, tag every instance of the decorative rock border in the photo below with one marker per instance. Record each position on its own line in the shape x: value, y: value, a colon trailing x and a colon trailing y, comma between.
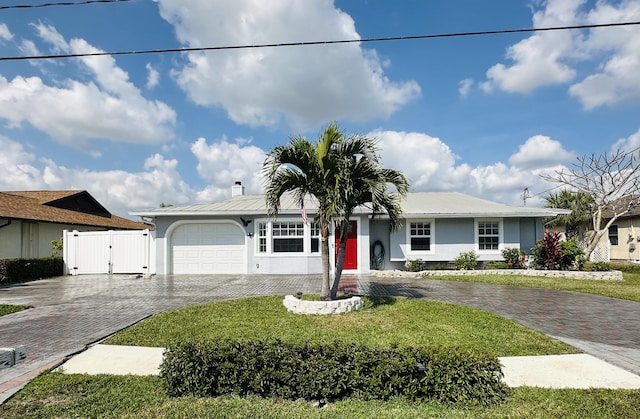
x: 596, y: 275
x: 299, y: 306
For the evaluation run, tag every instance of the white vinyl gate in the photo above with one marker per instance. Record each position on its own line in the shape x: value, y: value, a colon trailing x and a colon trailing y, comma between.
x: 108, y: 252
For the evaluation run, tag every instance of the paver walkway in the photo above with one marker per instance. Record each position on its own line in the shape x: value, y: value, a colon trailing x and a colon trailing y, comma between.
x: 71, y: 312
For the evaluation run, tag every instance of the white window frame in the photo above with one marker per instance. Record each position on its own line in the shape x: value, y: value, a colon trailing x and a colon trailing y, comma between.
x: 500, y: 223
x: 431, y: 236
x: 269, y: 238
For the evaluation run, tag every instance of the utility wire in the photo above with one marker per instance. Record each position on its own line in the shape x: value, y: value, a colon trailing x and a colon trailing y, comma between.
x: 308, y: 43
x: 66, y: 3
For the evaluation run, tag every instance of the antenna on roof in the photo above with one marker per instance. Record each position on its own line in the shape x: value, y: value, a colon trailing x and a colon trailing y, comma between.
x: 525, y: 195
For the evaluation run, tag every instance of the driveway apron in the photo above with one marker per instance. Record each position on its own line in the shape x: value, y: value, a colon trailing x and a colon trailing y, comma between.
x: 72, y: 312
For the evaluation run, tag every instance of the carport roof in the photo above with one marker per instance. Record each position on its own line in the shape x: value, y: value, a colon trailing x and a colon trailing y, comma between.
x: 416, y: 205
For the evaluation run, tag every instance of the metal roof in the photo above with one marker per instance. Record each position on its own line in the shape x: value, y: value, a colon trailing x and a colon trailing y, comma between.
x: 416, y: 205
x: 457, y: 205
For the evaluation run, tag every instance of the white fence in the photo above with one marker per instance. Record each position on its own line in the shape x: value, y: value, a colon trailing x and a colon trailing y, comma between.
x: 109, y: 252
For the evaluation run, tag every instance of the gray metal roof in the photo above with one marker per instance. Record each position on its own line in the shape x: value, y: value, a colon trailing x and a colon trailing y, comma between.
x: 416, y: 205
x: 457, y: 205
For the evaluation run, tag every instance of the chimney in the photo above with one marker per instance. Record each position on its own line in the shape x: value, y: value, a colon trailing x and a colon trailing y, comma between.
x: 237, y: 189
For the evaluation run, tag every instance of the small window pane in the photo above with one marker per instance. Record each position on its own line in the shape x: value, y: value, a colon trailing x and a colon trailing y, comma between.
x: 420, y: 243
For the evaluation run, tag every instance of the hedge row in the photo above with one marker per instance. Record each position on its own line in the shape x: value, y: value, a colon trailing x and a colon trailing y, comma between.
x: 20, y: 270
x: 331, y: 372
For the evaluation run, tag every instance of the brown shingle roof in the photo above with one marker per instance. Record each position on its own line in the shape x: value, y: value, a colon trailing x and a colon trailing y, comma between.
x: 30, y: 205
x: 45, y: 196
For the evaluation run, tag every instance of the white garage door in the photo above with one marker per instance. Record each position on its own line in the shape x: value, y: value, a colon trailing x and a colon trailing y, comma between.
x: 208, y: 248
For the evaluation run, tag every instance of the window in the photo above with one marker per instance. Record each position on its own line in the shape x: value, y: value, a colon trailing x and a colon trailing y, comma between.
x: 315, y: 238
x: 262, y: 237
x: 288, y: 237
x: 420, y: 236
x: 488, y: 235
x: 613, y: 235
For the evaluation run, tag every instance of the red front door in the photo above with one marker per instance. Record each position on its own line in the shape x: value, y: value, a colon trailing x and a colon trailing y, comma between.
x: 351, y: 257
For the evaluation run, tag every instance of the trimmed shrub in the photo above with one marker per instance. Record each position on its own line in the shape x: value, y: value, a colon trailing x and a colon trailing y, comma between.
x: 514, y: 258
x: 633, y: 268
x: 330, y: 372
x: 20, y: 270
x: 415, y: 265
x: 599, y: 266
x: 466, y: 261
x: 496, y: 265
x: 572, y: 256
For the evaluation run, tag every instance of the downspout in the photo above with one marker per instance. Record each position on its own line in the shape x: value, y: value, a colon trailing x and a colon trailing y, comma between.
x: 7, y: 224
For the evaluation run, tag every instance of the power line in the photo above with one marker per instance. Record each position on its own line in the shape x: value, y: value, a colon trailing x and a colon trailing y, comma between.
x: 308, y: 43
x: 66, y: 3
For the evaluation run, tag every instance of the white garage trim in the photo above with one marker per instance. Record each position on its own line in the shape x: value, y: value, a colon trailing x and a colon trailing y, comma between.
x: 174, y: 228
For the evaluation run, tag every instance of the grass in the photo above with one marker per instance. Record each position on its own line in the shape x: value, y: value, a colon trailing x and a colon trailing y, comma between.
x: 60, y: 395
x: 383, y: 322
x: 627, y: 289
x: 8, y: 309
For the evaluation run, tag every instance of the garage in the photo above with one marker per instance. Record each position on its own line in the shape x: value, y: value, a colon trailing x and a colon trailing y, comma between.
x: 208, y: 248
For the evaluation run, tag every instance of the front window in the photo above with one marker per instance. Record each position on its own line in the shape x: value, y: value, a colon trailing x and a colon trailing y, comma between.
x: 420, y: 236
x: 288, y: 237
x: 315, y: 238
x: 262, y: 237
x: 613, y: 235
x: 488, y: 235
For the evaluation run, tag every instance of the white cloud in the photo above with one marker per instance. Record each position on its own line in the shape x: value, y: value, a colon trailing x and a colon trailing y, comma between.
x: 153, y: 77
x: 610, y: 57
x: 304, y: 86
x: 17, y: 171
x: 617, y: 78
x: 73, y: 113
x: 119, y: 191
x: 433, y: 167
x: 5, y: 33
x: 464, y: 86
x: 630, y: 143
x: 222, y: 163
x: 540, y: 151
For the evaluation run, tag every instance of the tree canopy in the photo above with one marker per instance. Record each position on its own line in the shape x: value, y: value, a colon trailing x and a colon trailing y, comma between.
x: 341, y: 172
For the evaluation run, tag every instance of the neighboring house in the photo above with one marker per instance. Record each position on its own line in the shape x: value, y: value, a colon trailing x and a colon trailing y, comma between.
x: 30, y: 220
x: 623, y: 236
x: 237, y: 236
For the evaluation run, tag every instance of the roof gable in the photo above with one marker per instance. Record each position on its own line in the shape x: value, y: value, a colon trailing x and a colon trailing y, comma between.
x: 79, y: 201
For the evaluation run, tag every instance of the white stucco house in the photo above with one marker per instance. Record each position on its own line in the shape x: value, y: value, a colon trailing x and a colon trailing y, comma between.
x: 236, y: 235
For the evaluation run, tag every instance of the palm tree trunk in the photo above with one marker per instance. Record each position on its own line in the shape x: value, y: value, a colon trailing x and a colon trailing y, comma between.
x: 325, y: 289
x: 342, y: 254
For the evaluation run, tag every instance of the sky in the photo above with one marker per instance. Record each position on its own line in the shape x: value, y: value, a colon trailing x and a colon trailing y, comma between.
x: 481, y: 115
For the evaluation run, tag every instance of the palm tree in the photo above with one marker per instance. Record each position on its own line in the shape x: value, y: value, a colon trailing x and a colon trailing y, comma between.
x: 340, y: 173
x: 364, y: 182
x: 582, y: 207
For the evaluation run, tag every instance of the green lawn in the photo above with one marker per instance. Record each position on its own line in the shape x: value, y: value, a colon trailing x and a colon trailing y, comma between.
x: 8, y: 309
x: 384, y: 321
x: 627, y: 289
x: 64, y: 396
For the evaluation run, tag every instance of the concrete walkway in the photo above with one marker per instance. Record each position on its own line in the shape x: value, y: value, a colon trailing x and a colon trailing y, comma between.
x: 72, y: 312
x: 552, y: 371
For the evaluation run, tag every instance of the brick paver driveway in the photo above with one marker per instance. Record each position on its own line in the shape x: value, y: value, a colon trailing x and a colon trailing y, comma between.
x: 71, y: 312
